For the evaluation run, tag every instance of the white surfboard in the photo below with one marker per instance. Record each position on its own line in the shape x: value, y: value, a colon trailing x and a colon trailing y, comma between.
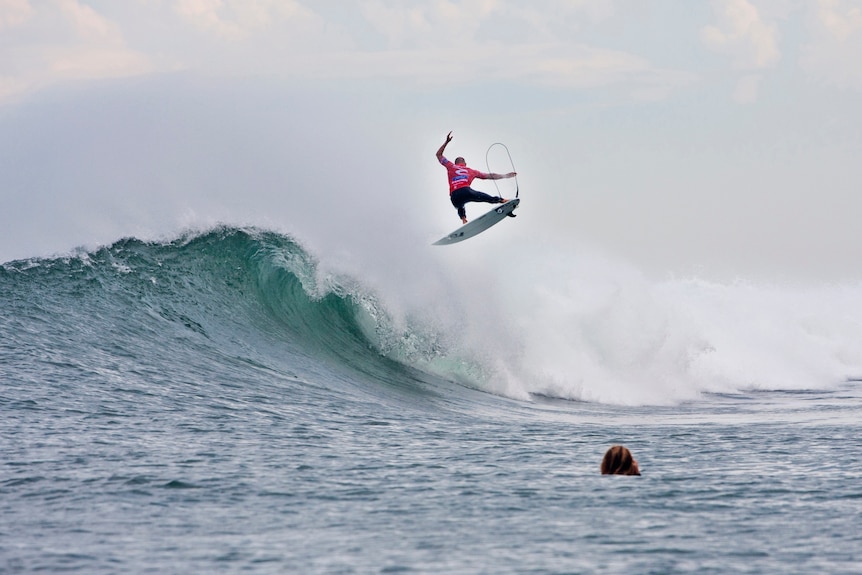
x: 480, y: 224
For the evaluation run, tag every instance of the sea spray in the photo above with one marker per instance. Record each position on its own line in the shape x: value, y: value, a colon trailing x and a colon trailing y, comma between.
x: 584, y: 326
x: 596, y: 329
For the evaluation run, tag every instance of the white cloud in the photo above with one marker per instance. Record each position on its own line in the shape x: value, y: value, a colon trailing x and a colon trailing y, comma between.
x: 14, y: 13
x: 428, y: 42
x: 742, y: 35
x: 450, y: 43
x: 237, y: 19
x: 840, y: 19
x: 87, y: 22
x: 207, y: 14
x: 61, y: 40
x: 408, y: 25
x: 539, y: 65
x: 94, y: 63
x: 834, y: 52
x: 405, y: 24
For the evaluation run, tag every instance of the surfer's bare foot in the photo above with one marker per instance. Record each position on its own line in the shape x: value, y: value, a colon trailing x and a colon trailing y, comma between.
x: 463, y: 220
x: 503, y: 200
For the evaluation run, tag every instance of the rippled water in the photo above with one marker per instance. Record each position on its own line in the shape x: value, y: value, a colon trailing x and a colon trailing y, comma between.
x: 277, y: 485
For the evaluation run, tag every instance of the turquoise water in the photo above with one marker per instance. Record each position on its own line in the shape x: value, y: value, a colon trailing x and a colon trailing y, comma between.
x: 221, y: 403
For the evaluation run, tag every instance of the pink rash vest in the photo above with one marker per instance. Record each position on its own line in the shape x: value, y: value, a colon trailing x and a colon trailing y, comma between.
x: 460, y: 176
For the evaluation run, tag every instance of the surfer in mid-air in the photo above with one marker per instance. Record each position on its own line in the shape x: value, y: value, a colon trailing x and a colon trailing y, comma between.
x: 460, y: 178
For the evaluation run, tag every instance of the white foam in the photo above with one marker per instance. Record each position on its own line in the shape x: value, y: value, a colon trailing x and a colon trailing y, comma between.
x: 586, y: 327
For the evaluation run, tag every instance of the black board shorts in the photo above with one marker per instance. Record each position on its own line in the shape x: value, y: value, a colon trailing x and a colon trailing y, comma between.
x: 467, y: 194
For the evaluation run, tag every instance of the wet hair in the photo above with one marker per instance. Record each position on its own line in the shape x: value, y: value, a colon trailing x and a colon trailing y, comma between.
x: 618, y: 460
x: 460, y: 161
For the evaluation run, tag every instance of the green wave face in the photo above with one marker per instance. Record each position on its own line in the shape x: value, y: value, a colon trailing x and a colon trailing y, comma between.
x: 228, y: 298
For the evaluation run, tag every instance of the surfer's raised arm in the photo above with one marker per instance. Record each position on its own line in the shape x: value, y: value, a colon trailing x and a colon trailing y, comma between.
x: 443, y: 147
x: 496, y: 176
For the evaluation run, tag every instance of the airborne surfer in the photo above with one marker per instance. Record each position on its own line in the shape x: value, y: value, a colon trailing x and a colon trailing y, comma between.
x: 460, y: 177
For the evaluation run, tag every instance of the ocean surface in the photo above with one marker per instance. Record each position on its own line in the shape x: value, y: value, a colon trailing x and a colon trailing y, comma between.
x: 229, y: 402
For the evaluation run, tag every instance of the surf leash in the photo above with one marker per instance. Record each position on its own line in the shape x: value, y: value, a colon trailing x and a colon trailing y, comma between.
x: 488, y: 165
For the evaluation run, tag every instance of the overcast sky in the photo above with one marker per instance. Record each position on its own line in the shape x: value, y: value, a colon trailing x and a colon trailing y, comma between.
x: 719, y: 137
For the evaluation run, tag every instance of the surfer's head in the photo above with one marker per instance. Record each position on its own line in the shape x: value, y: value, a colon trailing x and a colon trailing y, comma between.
x: 459, y: 161
x: 619, y: 461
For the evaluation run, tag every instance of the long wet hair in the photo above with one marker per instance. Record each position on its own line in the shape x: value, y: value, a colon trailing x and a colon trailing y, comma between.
x: 618, y: 460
